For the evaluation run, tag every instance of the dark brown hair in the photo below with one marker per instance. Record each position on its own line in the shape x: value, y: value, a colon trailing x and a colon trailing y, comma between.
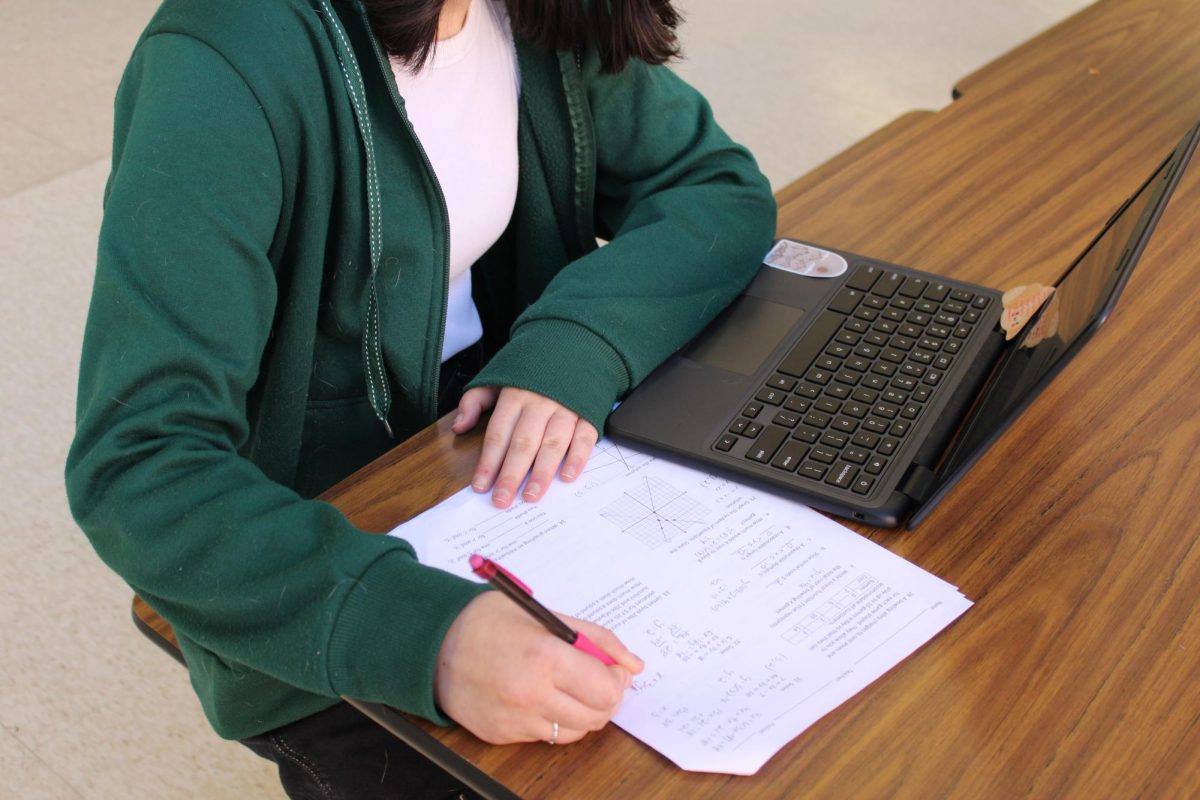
x: 619, y: 29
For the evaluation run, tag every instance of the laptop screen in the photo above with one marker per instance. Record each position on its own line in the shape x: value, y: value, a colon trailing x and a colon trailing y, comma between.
x: 1082, y: 300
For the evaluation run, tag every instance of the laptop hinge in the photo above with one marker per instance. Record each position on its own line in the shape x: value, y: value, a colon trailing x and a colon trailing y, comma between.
x: 918, y: 483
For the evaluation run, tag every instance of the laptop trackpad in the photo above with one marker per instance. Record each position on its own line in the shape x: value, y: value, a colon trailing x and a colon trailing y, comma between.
x: 744, y: 334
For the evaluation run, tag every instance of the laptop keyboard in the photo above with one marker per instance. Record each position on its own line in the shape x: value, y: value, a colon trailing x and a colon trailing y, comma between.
x: 840, y: 404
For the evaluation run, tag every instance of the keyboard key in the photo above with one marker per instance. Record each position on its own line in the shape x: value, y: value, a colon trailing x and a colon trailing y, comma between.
x: 863, y: 485
x: 828, y: 405
x: 797, y: 404
x: 812, y: 470
x: 856, y: 455
x: 888, y: 446
x: 752, y: 410
x: 838, y: 391
x: 812, y: 343
x: 932, y: 377
x: 936, y: 292
x: 834, y: 439
x: 913, y: 287
x: 953, y: 307
x: 893, y: 355
x: 843, y: 475
x: 875, y: 382
x: 929, y: 344
x: 875, y: 425
x: 942, y: 362
x: 915, y: 370
x: 921, y: 357
x: 896, y: 397
x: 911, y: 411
x: 864, y: 439
x: 885, y: 410
x: 845, y: 424
x: 902, y: 303
x: 847, y: 338
x: 858, y: 363
x: 962, y: 295
x: 864, y: 277
x: 875, y: 465
x: 726, y: 443
x: 848, y: 377
x: 953, y: 346
x: 927, y: 306
x: 752, y: 430
x: 900, y: 427
x: 885, y: 368
x: 877, y: 303
x: 962, y: 331
x: 946, y: 319
x: 980, y: 302
x: 739, y: 426
x: 782, y: 382
x: 867, y: 314
x: 921, y: 395
x: 790, y: 456
x: 846, y: 300
x: 894, y: 314
x: 817, y: 420
x: 762, y: 450
x: 864, y: 396
x: 808, y: 390
x: 887, y: 284
x: 818, y: 376
x: 937, y: 331
x: 902, y: 343
x: 806, y: 435
x: 856, y: 409
x: 877, y: 339
x: 866, y: 350
x: 904, y: 383
x: 824, y: 454
x: 772, y: 397
x: 787, y: 419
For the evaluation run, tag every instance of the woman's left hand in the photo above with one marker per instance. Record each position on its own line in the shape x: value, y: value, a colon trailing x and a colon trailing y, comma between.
x: 526, y: 430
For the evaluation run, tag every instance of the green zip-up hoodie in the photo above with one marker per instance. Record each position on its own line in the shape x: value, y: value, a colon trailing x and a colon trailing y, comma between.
x: 271, y: 283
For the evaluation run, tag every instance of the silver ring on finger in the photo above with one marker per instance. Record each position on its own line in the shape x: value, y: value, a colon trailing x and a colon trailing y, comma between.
x: 554, y: 734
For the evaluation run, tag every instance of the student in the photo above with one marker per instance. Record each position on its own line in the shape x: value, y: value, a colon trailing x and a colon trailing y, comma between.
x: 325, y: 220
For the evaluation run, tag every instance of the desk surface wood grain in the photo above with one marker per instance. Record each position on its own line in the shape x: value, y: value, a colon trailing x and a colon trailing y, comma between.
x: 1077, y: 535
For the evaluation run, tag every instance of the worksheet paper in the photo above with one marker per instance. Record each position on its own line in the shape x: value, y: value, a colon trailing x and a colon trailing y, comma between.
x: 755, y: 615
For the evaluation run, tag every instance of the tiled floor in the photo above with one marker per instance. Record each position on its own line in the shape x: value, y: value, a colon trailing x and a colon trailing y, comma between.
x: 88, y: 709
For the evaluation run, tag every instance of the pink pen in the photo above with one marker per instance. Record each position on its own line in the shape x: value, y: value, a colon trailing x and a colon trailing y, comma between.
x: 522, y: 595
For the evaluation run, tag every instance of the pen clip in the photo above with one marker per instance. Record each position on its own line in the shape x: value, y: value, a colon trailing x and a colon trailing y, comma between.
x: 486, y: 568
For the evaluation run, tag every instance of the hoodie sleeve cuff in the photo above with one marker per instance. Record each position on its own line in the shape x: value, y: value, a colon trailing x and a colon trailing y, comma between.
x: 563, y: 361
x: 385, y: 643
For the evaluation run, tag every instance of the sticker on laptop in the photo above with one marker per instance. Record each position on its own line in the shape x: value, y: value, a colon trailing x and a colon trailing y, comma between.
x: 804, y: 259
x: 1020, y: 304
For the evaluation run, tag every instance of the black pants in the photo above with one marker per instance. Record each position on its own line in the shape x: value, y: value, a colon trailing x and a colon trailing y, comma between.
x: 340, y: 754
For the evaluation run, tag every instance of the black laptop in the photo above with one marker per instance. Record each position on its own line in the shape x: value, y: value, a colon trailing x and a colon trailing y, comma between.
x: 866, y: 388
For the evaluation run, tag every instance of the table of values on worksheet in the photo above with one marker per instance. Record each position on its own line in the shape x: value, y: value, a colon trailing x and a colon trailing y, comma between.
x: 754, y: 614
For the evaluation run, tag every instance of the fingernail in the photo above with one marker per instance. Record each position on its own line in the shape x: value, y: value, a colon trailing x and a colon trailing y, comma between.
x: 501, y: 496
x: 567, y: 473
x: 458, y: 419
x: 479, y: 485
x: 532, y: 490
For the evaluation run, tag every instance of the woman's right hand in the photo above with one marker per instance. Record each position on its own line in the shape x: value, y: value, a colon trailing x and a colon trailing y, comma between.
x: 504, y: 677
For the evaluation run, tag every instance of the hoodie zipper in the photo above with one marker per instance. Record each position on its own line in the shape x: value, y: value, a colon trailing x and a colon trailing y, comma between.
x: 434, y: 375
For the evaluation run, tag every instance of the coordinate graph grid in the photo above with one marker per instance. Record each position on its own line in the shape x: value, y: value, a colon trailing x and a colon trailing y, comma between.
x: 655, y: 512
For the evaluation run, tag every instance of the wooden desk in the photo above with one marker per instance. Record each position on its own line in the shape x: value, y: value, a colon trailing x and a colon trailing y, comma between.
x: 1078, y: 534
